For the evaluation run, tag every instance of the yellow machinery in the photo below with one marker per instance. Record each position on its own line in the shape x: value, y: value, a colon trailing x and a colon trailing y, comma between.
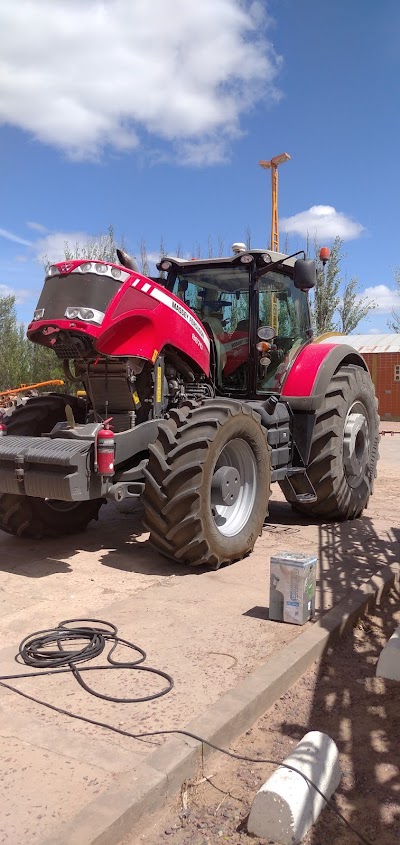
x: 8, y: 397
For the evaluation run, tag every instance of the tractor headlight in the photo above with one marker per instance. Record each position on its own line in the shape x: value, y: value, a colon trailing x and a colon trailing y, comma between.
x: 247, y: 258
x: 90, y: 315
x: 38, y: 314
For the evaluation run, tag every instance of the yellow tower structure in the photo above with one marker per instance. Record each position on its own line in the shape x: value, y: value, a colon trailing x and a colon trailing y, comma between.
x: 273, y: 166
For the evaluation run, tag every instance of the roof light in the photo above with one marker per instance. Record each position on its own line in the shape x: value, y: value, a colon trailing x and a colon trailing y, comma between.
x: 237, y: 248
x: 101, y: 268
x: 247, y: 258
x: 116, y: 273
x: 324, y: 254
x: 166, y: 265
x: 53, y: 271
x: 38, y: 314
x: 86, y: 268
x: 266, y: 258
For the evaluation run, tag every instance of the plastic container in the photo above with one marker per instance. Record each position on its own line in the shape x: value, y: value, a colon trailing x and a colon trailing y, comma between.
x: 292, y: 587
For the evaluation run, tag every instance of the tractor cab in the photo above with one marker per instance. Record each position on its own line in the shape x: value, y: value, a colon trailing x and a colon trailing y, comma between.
x: 236, y: 299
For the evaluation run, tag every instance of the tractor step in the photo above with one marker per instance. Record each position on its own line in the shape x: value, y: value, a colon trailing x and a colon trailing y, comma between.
x: 302, y: 491
x: 47, y: 468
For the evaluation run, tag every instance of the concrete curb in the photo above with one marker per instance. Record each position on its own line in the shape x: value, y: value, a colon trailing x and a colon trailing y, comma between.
x: 143, y: 790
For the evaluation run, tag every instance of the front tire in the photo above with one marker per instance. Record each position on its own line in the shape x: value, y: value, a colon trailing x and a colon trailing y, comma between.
x: 207, y: 483
x: 28, y: 516
x: 344, y: 450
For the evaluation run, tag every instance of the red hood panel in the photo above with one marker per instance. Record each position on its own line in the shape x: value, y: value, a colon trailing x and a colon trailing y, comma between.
x: 144, y: 317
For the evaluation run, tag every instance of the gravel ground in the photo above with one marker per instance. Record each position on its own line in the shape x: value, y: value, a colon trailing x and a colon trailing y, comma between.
x: 342, y: 697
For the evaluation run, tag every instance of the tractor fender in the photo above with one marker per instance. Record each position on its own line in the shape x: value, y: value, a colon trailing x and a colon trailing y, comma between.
x: 311, y: 372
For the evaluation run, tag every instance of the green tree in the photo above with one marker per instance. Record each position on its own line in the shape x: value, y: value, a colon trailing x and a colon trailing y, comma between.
x: 394, y: 323
x: 43, y: 364
x: 13, y: 368
x: 326, y: 297
x: 328, y: 305
x: 353, y: 307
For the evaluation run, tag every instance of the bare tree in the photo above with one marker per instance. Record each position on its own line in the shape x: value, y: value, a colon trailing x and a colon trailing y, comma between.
x: 103, y: 247
x: 144, y: 261
x: 221, y: 246
x: 286, y: 246
x: 163, y: 253
x: 394, y: 323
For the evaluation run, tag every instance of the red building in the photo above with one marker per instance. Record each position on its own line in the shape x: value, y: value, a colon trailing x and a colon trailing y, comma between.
x: 381, y: 353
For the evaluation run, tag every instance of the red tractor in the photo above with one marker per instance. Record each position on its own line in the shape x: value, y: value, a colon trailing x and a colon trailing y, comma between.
x: 202, y: 386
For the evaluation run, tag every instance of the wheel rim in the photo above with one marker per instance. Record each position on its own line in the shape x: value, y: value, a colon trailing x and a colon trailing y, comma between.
x: 356, y: 444
x: 230, y: 519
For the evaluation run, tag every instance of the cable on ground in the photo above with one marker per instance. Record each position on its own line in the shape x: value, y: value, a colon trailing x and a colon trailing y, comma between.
x: 35, y: 650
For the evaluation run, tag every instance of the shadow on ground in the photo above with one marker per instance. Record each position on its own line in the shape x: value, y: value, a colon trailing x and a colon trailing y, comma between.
x: 359, y: 711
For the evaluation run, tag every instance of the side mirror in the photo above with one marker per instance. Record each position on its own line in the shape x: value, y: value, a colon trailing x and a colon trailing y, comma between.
x: 305, y: 274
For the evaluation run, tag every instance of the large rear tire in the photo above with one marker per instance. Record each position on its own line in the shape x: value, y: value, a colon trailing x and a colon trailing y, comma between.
x: 26, y: 516
x: 344, y: 450
x: 207, y: 483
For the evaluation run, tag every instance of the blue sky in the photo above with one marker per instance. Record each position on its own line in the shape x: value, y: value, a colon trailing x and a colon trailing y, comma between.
x: 152, y: 116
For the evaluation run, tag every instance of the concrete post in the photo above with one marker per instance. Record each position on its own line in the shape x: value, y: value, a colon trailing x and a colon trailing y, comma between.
x: 286, y: 805
x: 388, y: 665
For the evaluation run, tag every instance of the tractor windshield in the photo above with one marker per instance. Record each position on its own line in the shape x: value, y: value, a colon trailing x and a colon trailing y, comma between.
x: 285, y: 309
x: 221, y: 296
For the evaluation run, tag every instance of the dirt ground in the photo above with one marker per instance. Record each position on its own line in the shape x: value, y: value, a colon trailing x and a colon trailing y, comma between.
x: 208, y: 629
x: 341, y: 697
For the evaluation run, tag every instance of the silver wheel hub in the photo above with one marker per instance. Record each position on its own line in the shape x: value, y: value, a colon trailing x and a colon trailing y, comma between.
x: 356, y: 444
x: 233, y: 487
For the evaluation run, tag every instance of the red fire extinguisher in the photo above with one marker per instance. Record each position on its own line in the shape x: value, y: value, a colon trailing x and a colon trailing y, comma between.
x: 105, y: 449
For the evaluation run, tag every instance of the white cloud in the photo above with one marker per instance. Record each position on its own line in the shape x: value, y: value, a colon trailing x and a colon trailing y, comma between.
x: 21, y: 294
x: 81, y: 76
x: 386, y: 299
x: 322, y: 221
x: 9, y: 236
x: 198, y: 154
x: 37, y: 227
x: 52, y: 246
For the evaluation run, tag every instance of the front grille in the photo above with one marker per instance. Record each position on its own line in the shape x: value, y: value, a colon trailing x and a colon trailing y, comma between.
x: 71, y: 346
